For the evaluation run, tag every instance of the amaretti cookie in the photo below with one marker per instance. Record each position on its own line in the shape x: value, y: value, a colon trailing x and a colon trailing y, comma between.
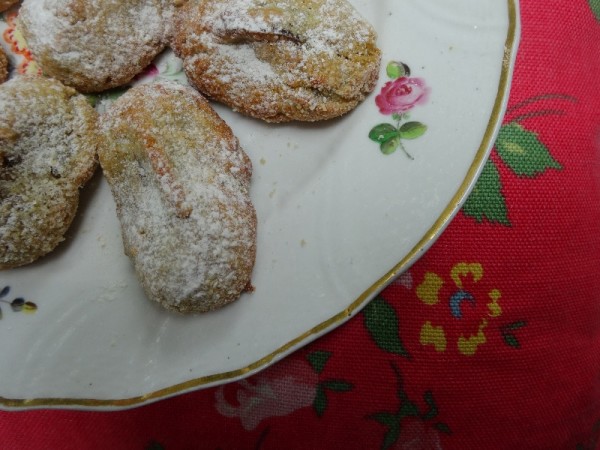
x: 47, y: 152
x: 95, y: 45
x: 3, y: 66
x: 279, y: 60
x: 5, y: 4
x: 181, y: 185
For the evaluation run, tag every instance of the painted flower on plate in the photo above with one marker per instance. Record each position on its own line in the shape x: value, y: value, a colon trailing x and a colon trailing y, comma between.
x: 397, y: 98
x: 18, y: 47
x: 401, y: 95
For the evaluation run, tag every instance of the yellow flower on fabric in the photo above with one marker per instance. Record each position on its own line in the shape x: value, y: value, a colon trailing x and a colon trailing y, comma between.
x: 468, y: 346
x: 462, y: 270
x: 435, y: 336
x: 494, y: 306
x: 428, y: 290
x: 460, y: 313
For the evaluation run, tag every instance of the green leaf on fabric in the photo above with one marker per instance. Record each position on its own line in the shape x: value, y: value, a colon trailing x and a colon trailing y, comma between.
x: 440, y: 426
x: 511, y: 340
x: 595, y: 5
x: 412, y: 130
x: 318, y: 359
x: 338, y: 385
x: 153, y: 445
x: 515, y: 325
x: 593, y: 441
x: 383, y: 132
x: 523, y: 152
x: 391, y: 437
x: 383, y: 325
x: 408, y: 409
x: 384, y: 418
x: 486, y: 201
x: 508, y: 336
x: 433, y: 409
x: 320, y: 401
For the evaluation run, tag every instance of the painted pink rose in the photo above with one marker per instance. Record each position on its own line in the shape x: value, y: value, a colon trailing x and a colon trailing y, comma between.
x: 401, y: 95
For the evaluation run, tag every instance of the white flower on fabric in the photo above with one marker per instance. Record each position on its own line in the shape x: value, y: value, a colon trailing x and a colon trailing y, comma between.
x: 278, y: 391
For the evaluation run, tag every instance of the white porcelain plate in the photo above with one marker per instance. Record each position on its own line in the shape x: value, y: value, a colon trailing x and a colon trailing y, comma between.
x: 342, y: 209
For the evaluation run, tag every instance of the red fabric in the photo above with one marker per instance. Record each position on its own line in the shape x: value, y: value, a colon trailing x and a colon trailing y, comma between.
x: 526, y: 274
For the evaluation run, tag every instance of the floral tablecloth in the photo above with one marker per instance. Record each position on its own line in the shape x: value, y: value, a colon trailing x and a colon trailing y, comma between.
x: 517, y: 368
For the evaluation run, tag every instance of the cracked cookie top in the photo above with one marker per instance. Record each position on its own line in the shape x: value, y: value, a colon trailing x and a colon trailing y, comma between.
x: 279, y: 60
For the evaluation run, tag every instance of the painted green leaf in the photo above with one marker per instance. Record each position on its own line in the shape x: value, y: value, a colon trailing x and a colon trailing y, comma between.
x: 412, y: 130
x: 320, y: 401
x: 383, y: 325
x: 338, y: 385
x: 595, y: 5
x: 390, y: 146
x: 383, y: 132
x: 523, y: 152
x: 17, y: 304
x: 318, y: 359
x: 29, y: 307
x: 486, y: 201
x: 397, y: 69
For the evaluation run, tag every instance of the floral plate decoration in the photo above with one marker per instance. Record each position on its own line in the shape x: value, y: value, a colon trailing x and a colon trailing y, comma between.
x: 397, y: 98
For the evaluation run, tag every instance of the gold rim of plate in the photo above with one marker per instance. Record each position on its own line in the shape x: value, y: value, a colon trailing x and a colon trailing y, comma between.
x: 429, y: 237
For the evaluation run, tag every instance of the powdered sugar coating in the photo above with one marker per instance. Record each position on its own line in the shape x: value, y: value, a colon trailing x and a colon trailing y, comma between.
x: 279, y: 60
x: 47, y: 152
x: 93, y: 45
x: 181, y: 186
